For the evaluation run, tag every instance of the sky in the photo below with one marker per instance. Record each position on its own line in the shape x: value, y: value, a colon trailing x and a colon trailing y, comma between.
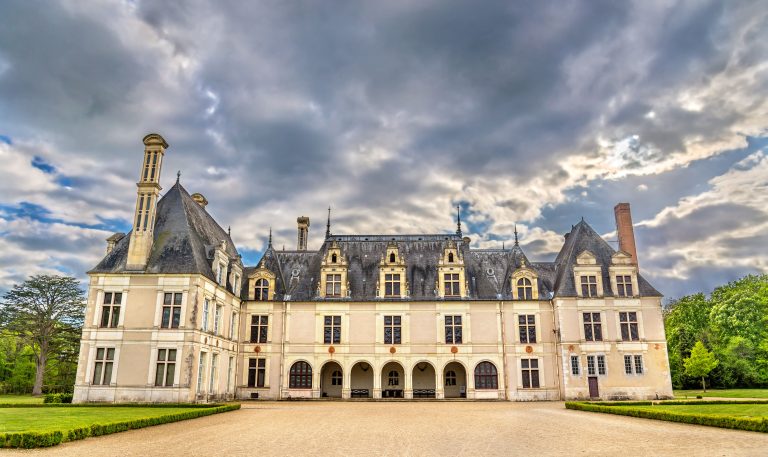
x: 393, y: 113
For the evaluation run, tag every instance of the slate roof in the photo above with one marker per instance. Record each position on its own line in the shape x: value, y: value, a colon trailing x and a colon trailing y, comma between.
x: 184, y: 239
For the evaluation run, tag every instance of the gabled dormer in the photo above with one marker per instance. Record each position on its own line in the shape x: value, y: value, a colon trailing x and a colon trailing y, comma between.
x: 220, y: 263
x: 392, y: 282
x: 524, y: 283
x: 623, y: 273
x: 333, y: 274
x: 588, y: 276
x: 236, y: 275
x: 451, y: 278
x: 261, y: 283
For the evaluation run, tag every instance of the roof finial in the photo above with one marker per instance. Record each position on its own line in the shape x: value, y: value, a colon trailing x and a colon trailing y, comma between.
x: 229, y: 231
x: 328, y: 225
x: 178, y: 176
x: 517, y: 243
x: 270, y: 238
x: 458, y: 220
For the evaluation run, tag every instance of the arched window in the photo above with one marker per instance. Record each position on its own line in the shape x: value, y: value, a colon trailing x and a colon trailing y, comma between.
x: 301, y: 376
x: 336, y: 378
x: 450, y: 257
x: 450, y: 378
x: 524, y: 289
x: 486, y: 376
x: 334, y: 258
x: 392, y: 258
x: 394, y: 378
x: 262, y: 290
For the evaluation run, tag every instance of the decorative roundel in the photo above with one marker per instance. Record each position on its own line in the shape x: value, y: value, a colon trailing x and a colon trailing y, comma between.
x: 528, y: 349
x: 454, y: 349
x: 331, y: 349
x: 489, y: 272
x: 570, y: 348
x: 295, y: 273
x: 257, y: 349
x: 392, y: 350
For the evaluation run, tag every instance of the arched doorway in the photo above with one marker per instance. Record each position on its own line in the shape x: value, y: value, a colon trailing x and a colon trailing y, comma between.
x: 361, y: 380
x: 455, y: 381
x: 392, y: 380
x: 331, y: 379
x: 424, y: 382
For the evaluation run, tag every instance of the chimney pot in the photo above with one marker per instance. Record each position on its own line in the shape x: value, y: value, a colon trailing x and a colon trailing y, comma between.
x: 625, y: 230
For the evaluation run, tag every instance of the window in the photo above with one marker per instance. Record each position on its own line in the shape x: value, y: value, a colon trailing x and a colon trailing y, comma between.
x: 391, y: 285
x: 102, y: 368
x: 450, y: 378
x: 527, y: 324
x: 171, y: 317
x: 336, y: 378
x: 624, y: 285
x: 601, y: 364
x: 332, y: 330
x: 206, y: 311
x: 453, y: 330
x: 589, y: 286
x: 393, y: 378
x: 110, y: 311
x: 392, y: 329
x: 486, y: 376
x: 214, y: 365
x: 220, y: 274
x: 333, y: 285
x: 451, y: 284
x: 334, y: 258
x: 524, y: 289
x: 257, y: 370
x: 591, y: 365
x: 259, y: 329
x: 392, y: 258
x: 200, y: 371
x: 575, y: 365
x: 217, y: 320
x: 628, y: 364
x: 166, y: 367
x: 628, y: 322
x: 300, y: 376
x: 232, y: 326
x: 638, y: 364
x: 236, y: 288
x: 262, y: 290
x: 450, y: 257
x: 593, y: 329
x: 530, y: 369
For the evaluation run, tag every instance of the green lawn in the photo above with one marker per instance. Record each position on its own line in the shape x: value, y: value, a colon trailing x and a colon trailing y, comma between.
x: 67, y: 418
x: 4, y: 399
x: 759, y: 410
x: 725, y: 393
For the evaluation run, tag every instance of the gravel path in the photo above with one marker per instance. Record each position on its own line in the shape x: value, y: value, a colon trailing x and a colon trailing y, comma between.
x: 417, y: 429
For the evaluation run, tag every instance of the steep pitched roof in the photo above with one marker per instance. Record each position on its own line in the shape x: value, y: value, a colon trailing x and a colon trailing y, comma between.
x: 184, y: 238
x: 583, y: 237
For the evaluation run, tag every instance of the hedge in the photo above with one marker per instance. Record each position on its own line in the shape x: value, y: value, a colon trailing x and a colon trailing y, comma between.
x: 753, y: 424
x: 57, y: 398
x: 46, y: 439
x: 111, y: 405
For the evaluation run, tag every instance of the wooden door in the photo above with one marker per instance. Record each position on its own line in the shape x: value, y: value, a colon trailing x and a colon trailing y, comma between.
x: 593, y: 390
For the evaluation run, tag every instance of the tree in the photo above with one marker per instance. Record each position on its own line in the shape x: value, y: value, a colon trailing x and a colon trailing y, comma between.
x: 44, y: 312
x: 700, y: 363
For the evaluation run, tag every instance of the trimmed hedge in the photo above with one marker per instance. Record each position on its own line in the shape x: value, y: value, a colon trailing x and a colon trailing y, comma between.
x: 753, y: 424
x: 112, y: 405
x: 46, y: 439
x: 57, y: 398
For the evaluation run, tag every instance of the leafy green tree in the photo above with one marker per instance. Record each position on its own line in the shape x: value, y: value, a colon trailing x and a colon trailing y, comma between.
x: 686, y: 321
x: 740, y: 309
x: 700, y: 363
x: 45, y: 312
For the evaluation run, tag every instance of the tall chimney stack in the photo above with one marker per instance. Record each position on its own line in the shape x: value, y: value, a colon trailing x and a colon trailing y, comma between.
x: 303, y: 223
x: 625, y: 231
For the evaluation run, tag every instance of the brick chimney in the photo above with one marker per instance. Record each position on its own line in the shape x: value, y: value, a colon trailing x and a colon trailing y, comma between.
x: 625, y: 231
x: 303, y: 225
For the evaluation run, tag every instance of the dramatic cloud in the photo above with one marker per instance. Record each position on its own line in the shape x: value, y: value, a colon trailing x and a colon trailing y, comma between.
x: 535, y: 114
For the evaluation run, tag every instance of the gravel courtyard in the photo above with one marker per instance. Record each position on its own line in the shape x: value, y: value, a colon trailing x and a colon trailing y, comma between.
x: 417, y: 429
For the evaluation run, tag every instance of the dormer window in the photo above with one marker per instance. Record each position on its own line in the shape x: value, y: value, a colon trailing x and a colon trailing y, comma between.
x: 334, y: 258
x: 624, y: 285
x: 220, y: 274
x: 450, y: 257
x: 589, y: 286
x: 333, y: 281
x: 392, y: 258
x: 392, y: 285
x: 333, y: 285
x: 452, y: 288
x: 524, y: 289
x: 623, y: 274
x: 451, y: 280
x: 261, y: 293
x: 588, y: 276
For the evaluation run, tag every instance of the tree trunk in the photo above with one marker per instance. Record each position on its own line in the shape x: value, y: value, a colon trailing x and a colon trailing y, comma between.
x: 703, y: 384
x: 39, y: 371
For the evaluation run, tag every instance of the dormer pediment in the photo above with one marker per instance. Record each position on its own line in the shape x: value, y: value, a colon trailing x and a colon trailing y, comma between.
x: 586, y: 258
x: 621, y: 258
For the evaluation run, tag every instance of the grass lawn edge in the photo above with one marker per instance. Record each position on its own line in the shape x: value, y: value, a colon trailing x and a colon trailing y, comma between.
x: 752, y: 424
x: 29, y: 440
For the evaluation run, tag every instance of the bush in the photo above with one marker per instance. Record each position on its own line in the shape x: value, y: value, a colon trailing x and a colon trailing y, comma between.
x: 57, y: 398
x: 30, y: 440
x: 754, y: 424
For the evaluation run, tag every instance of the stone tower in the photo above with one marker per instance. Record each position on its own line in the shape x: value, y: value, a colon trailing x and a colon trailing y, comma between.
x: 147, y: 193
x: 303, y: 223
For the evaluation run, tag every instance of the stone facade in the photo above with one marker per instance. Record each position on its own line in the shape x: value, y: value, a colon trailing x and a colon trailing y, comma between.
x: 173, y: 315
